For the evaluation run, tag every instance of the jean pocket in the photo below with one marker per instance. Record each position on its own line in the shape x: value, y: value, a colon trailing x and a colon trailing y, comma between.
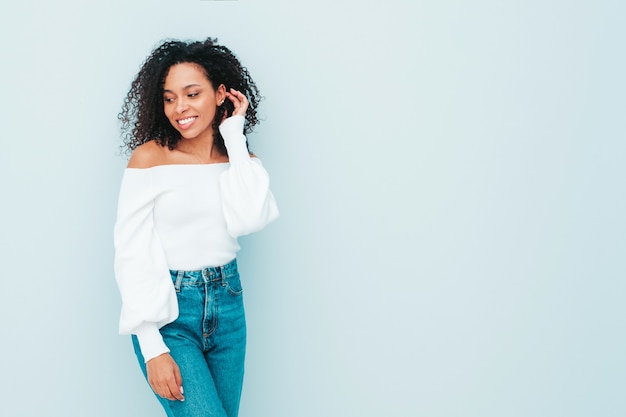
x: 233, y: 284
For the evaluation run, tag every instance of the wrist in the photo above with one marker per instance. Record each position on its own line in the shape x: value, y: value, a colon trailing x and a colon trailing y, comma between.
x: 232, y: 126
x: 234, y: 139
x: 150, y: 341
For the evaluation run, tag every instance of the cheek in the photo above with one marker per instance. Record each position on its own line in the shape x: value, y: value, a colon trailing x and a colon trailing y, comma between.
x: 170, y: 114
x: 167, y: 114
x: 209, y: 111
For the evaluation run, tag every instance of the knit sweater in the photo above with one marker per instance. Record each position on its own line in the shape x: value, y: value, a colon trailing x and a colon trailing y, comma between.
x: 183, y: 217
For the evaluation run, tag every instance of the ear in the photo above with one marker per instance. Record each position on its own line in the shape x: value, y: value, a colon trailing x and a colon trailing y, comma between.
x: 220, y: 94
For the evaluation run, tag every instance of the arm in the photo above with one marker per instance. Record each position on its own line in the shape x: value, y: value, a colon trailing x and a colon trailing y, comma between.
x: 143, y: 278
x: 148, y: 297
x: 247, y: 201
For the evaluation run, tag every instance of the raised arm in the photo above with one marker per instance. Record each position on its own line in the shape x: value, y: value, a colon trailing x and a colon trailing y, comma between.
x: 247, y: 201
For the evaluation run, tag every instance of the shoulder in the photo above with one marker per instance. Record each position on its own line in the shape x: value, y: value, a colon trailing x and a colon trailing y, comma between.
x: 148, y: 155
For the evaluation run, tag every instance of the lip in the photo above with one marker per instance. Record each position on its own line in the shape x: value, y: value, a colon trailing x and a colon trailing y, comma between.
x: 186, y: 122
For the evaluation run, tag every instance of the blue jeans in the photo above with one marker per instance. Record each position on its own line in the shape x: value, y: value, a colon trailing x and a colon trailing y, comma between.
x: 207, y: 341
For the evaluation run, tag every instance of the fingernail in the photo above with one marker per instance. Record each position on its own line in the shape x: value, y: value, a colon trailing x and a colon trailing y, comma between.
x: 182, y: 391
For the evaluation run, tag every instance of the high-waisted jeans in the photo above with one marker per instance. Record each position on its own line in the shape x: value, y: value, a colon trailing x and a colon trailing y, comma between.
x: 207, y: 341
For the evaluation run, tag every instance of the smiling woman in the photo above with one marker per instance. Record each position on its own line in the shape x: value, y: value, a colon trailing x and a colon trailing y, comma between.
x: 213, y: 67
x: 175, y: 264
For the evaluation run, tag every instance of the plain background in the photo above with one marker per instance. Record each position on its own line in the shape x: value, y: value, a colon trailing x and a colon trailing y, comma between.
x: 450, y: 176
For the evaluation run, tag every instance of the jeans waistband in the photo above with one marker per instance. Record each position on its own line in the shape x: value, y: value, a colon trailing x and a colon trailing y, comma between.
x: 208, y: 274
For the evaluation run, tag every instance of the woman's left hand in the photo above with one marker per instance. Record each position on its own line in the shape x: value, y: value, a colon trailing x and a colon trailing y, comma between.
x: 240, y: 102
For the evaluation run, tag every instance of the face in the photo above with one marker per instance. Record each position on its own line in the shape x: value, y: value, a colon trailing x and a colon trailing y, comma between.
x: 190, y: 102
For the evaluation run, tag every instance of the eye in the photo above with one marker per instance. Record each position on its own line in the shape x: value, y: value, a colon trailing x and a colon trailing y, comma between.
x: 192, y: 94
x: 168, y: 99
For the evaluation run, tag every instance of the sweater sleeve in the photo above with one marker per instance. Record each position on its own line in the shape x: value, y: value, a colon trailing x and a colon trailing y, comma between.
x: 247, y: 201
x: 148, y: 296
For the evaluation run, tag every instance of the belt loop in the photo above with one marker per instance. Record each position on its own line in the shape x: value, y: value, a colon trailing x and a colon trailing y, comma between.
x: 223, y: 274
x: 179, y: 280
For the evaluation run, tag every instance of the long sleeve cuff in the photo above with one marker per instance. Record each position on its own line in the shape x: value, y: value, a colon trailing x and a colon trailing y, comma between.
x: 234, y: 139
x: 150, y: 341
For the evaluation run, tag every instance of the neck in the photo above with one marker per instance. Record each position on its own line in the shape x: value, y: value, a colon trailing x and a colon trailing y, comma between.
x: 202, y: 149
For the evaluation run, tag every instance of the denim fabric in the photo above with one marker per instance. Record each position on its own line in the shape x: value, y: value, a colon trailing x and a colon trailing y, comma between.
x: 207, y: 341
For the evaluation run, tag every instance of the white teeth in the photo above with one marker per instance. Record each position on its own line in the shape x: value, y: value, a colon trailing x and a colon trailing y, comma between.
x: 186, y: 121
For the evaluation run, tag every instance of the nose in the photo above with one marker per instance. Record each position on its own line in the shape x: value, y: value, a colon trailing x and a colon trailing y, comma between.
x: 181, y: 105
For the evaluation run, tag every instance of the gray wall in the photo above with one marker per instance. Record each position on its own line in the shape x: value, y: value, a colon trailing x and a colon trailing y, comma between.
x: 450, y: 176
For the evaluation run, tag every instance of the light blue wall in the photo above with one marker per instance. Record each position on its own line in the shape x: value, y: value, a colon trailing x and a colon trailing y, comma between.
x: 451, y: 181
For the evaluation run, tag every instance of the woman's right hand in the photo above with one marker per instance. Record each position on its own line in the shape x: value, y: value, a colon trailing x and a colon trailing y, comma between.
x: 164, y: 377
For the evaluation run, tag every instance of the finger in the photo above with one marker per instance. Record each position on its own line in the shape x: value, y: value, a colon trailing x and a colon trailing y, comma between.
x: 163, y: 390
x: 174, y: 392
x: 172, y: 388
x: 158, y: 389
x: 240, y: 101
x: 165, y: 393
x: 234, y: 99
x: 235, y: 94
x: 171, y: 391
x: 178, y: 381
x: 240, y: 96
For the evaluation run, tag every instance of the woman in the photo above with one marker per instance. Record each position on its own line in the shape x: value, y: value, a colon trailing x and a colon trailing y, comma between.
x: 190, y: 189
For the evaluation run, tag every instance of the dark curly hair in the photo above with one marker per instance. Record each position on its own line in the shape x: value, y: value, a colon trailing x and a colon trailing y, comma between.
x: 142, y: 115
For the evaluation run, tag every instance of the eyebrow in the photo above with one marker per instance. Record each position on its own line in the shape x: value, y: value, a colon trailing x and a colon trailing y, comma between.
x: 187, y: 87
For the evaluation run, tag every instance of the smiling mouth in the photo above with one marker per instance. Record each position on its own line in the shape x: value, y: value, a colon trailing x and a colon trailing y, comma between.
x: 186, y: 121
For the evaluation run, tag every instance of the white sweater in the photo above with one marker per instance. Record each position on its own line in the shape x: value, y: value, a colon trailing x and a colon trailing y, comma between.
x: 183, y: 217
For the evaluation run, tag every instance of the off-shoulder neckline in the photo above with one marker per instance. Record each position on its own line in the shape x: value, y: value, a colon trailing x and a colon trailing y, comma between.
x: 178, y: 165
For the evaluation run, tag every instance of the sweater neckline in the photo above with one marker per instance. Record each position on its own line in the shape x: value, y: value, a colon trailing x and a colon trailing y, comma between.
x: 163, y: 166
